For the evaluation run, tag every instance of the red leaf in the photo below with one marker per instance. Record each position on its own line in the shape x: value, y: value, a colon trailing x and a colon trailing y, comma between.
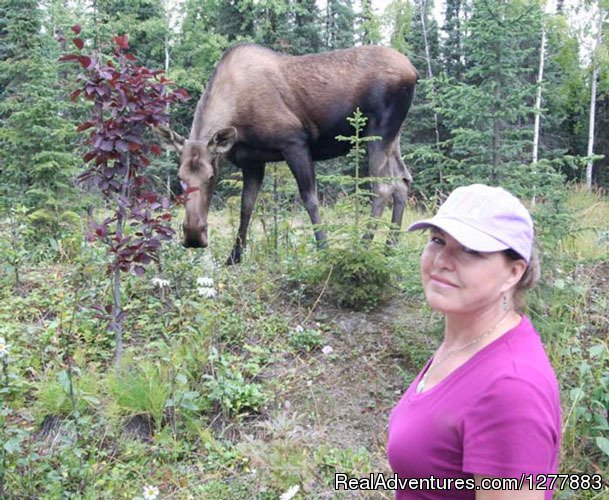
x: 156, y: 149
x: 85, y: 125
x: 74, y: 95
x: 79, y: 42
x: 76, y: 29
x: 68, y: 57
x: 134, y: 146
x: 122, y: 41
x: 181, y: 94
x: 139, y: 270
x: 88, y: 156
x: 84, y: 61
x: 131, y: 57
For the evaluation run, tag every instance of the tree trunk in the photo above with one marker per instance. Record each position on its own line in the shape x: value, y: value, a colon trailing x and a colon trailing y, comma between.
x: 590, y: 165
x: 496, y: 140
x: 116, y: 323
x: 542, y: 54
x: 166, y: 54
x: 428, y: 61
x: 599, y: 40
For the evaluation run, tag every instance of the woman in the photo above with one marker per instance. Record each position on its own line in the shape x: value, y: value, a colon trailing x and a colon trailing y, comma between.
x: 486, y: 405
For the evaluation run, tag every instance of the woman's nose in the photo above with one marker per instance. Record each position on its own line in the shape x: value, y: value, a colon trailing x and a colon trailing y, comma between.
x: 444, y: 258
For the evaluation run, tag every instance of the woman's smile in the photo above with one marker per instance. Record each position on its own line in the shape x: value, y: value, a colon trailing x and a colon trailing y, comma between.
x: 441, y: 282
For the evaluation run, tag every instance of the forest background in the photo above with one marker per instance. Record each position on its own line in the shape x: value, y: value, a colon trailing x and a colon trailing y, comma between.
x: 267, y: 378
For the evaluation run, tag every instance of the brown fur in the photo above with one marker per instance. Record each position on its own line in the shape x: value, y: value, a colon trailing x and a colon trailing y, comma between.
x: 264, y: 106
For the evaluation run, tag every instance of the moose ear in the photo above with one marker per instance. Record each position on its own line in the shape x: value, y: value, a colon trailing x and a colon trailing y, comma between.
x: 223, y: 140
x: 170, y: 138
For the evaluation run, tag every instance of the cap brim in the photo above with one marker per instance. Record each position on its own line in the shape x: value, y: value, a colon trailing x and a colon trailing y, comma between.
x: 465, y: 234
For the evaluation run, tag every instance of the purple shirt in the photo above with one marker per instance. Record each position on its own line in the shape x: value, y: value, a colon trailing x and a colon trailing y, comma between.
x: 496, y: 415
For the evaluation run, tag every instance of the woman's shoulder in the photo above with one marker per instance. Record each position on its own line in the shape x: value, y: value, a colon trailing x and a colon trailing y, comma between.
x: 519, y: 358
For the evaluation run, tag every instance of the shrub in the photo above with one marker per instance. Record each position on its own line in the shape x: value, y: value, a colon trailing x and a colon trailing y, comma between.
x: 228, y: 387
x: 140, y: 389
x: 305, y: 339
x: 53, y: 393
x: 356, y: 275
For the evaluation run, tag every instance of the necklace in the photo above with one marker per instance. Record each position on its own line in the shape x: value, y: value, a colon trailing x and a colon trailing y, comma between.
x: 423, y: 381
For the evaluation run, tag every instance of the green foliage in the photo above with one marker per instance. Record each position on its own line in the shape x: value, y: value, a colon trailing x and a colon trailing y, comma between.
x: 13, y: 251
x: 37, y: 133
x: 53, y: 393
x: 141, y: 388
x: 229, y: 388
x: 339, y: 29
x: 306, y: 340
x: 398, y: 20
x: 353, y: 271
x: 146, y: 23
x: 369, y: 25
x: 357, y: 274
x: 353, y: 462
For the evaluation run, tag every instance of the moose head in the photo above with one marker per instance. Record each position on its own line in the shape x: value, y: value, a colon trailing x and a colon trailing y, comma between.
x: 198, y: 174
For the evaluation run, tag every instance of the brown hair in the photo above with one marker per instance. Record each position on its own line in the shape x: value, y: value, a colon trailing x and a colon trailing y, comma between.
x: 529, y: 279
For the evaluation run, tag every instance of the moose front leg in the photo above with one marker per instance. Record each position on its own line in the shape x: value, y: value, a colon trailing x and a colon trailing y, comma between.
x: 252, y: 181
x: 300, y: 162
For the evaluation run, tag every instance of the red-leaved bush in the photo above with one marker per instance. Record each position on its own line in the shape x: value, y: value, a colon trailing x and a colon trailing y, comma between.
x: 127, y: 101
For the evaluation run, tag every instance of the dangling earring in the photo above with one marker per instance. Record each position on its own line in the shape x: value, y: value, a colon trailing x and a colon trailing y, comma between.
x: 505, y: 302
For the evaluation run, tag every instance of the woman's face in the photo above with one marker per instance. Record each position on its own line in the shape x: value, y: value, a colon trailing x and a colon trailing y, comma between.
x: 459, y: 280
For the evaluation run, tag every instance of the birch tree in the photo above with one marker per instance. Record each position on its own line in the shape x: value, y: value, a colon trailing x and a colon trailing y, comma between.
x: 423, y: 14
x: 542, y: 54
x: 601, y: 19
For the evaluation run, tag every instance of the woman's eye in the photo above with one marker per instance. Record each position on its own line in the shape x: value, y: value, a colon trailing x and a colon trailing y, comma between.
x: 470, y: 251
x: 437, y: 240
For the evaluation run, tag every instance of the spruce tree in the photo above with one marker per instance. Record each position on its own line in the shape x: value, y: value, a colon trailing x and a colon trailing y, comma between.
x: 306, y: 31
x: 36, y: 137
x: 340, y: 24
x: 369, y: 24
x: 452, y: 50
x: 143, y: 20
x: 490, y: 111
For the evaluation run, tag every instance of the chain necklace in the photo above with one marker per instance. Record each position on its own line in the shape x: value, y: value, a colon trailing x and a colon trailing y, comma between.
x: 423, y: 381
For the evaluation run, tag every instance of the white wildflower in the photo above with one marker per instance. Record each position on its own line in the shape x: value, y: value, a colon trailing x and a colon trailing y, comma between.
x: 291, y: 493
x: 3, y: 347
x: 299, y: 329
x: 207, y: 292
x: 327, y: 349
x: 150, y: 492
x: 209, y: 261
x: 309, y: 383
x: 205, y: 282
x: 161, y: 283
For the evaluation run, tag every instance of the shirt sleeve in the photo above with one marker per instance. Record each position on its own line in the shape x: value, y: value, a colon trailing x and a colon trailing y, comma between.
x: 511, y: 430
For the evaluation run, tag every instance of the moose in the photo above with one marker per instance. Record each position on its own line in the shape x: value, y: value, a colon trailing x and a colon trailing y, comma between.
x: 262, y: 106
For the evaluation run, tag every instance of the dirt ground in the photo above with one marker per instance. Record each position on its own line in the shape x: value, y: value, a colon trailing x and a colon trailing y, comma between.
x: 343, y: 399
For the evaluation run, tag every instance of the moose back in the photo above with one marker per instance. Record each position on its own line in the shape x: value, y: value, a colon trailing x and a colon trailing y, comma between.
x: 262, y: 106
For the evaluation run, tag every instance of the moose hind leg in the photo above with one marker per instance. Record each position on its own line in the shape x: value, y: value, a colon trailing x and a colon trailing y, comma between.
x: 381, y: 191
x: 402, y: 182
x: 252, y: 181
